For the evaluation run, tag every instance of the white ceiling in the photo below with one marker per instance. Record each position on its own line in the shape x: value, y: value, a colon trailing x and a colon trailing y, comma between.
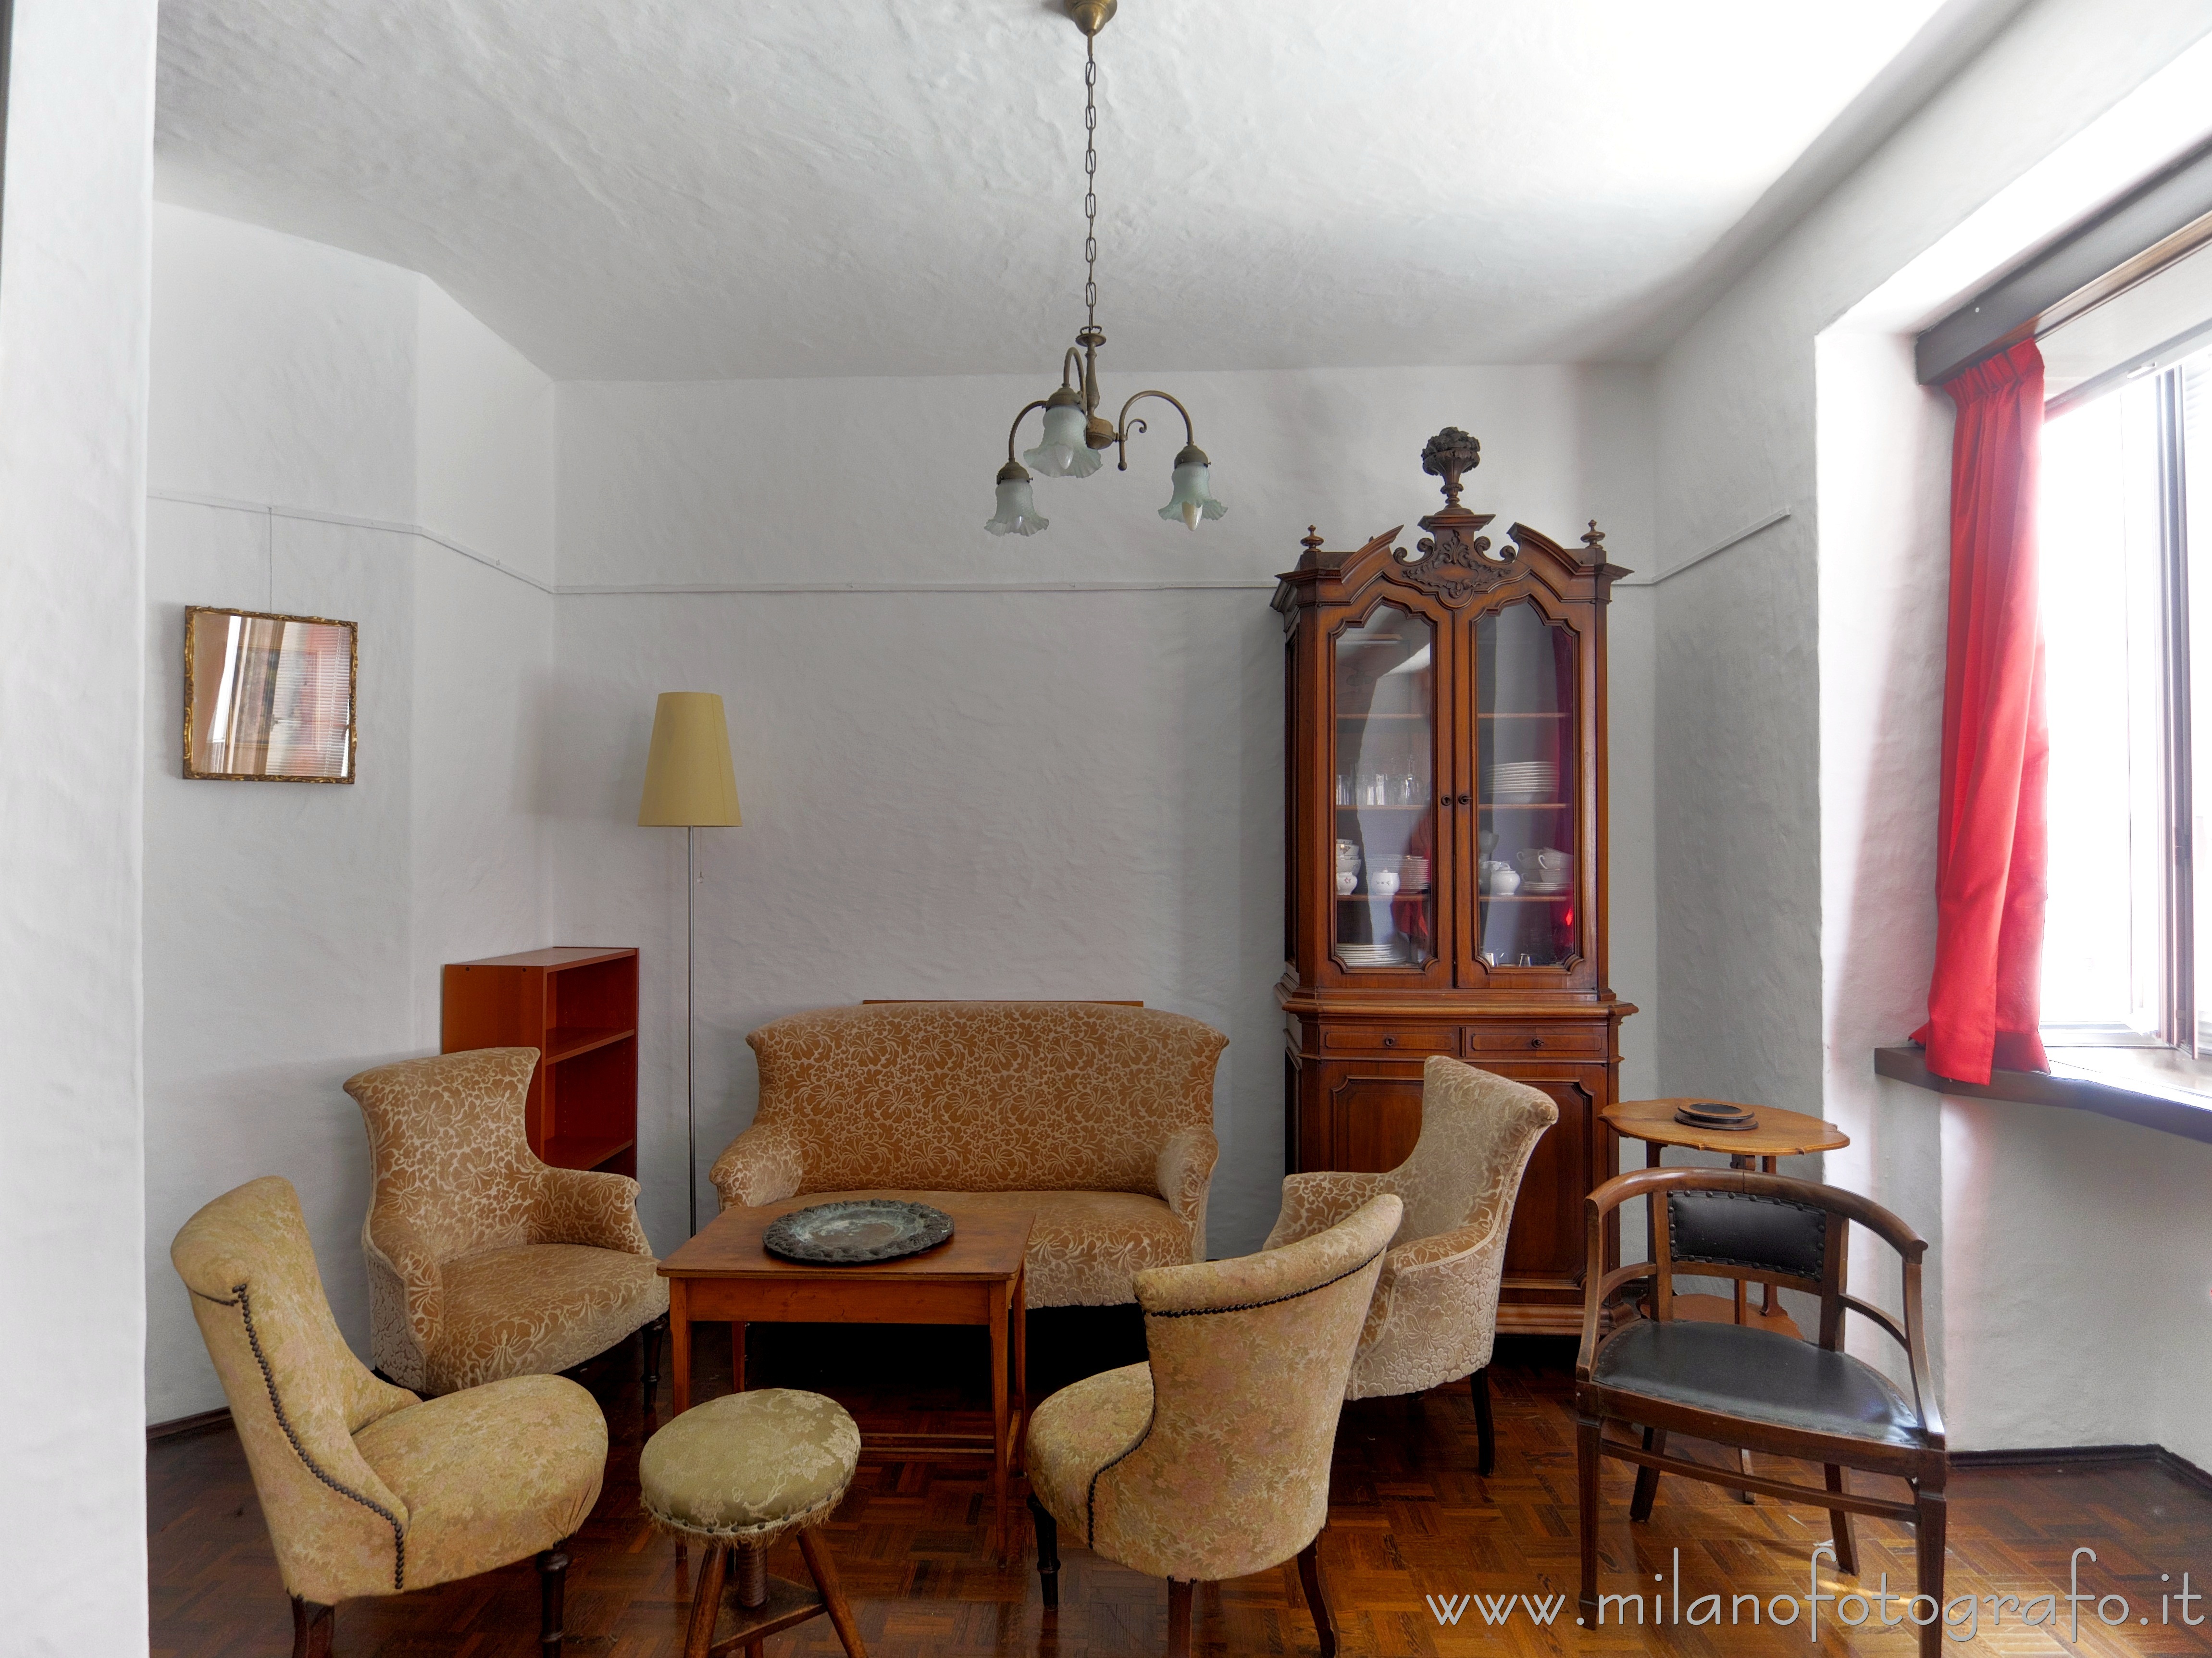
x: 680, y: 190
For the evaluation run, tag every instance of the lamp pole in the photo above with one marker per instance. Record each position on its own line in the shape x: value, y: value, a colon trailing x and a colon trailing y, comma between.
x: 690, y: 1075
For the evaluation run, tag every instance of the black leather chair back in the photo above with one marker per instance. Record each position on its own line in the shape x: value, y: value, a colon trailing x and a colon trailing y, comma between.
x: 1758, y: 1234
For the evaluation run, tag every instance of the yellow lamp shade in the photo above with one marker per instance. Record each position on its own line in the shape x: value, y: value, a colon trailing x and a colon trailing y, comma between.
x: 689, y: 781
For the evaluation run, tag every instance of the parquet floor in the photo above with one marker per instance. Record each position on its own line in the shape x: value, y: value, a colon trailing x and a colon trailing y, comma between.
x: 1410, y: 1518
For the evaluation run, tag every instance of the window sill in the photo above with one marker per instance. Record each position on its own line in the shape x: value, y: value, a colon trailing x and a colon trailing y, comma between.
x: 2152, y: 1087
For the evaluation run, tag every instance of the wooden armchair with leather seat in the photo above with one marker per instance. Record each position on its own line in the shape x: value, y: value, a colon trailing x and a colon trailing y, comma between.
x: 1754, y: 1388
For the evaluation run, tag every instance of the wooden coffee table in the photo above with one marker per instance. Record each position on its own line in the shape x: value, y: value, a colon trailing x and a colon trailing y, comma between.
x: 723, y: 1276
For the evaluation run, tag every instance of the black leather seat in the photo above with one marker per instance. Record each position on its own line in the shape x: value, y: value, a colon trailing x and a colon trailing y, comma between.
x: 1757, y: 1373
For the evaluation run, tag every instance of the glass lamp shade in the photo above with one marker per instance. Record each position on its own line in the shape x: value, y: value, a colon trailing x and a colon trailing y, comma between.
x: 1193, y: 498
x: 1017, y: 512
x: 1063, y: 453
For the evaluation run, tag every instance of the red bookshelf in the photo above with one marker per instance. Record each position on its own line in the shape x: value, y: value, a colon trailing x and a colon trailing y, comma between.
x: 578, y: 1007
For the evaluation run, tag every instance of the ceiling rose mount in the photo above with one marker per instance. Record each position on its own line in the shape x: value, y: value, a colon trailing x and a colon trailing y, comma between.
x: 1092, y: 16
x: 1076, y: 435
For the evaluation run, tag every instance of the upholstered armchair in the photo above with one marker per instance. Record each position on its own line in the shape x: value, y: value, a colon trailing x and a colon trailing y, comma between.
x: 1210, y: 1461
x: 483, y: 1261
x: 1434, y: 1316
x: 368, y: 1489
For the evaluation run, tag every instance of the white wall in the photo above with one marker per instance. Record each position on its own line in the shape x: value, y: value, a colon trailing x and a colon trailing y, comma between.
x: 1799, y: 684
x: 979, y: 791
x: 73, y: 345
x: 294, y: 932
x: 2078, y: 1259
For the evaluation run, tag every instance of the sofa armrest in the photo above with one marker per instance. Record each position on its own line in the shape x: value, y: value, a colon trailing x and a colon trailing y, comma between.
x: 590, y: 1207
x: 1313, y: 1203
x: 764, y: 1163
x: 1184, y: 1173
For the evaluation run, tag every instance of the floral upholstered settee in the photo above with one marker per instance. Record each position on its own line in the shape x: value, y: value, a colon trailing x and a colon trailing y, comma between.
x: 1098, y: 1119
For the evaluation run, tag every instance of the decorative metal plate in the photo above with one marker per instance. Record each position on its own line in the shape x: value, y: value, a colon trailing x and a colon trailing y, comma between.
x: 853, y: 1233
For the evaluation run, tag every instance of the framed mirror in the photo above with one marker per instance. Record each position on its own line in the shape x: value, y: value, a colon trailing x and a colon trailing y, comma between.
x: 269, y: 699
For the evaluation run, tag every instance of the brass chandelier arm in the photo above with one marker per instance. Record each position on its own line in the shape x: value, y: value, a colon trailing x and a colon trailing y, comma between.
x: 1016, y: 427
x: 1072, y: 377
x: 1121, y: 436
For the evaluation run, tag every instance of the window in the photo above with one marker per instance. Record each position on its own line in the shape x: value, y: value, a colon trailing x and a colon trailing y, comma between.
x: 2126, y: 528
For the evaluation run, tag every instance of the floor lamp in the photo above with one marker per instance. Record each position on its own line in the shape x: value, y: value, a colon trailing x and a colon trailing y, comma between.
x: 690, y: 785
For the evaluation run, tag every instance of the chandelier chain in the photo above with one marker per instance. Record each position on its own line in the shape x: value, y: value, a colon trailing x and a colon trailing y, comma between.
x: 1091, y: 178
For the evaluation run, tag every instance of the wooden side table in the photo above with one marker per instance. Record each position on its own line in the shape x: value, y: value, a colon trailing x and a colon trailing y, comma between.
x: 1780, y: 1134
x: 724, y: 1276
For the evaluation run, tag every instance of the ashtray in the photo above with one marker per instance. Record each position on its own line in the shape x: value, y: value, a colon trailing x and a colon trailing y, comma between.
x: 1715, y: 1114
x: 856, y: 1232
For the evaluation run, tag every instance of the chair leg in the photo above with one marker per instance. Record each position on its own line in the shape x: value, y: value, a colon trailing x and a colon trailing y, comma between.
x: 825, y: 1571
x: 314, y: 1625
x: 1047, y: 1539
x: 1839, y: 1520
x: 748, y: 1584
x: 1586, y: 1462
x: 706, y: 1600
x: 1486, y: 1435
x: 1179, y: 1617
x: 1317, y: 1597
x: 1647, y: 1479
x: 552, y: 1584
x: 650, y: 1337
x: 1928, y: 1523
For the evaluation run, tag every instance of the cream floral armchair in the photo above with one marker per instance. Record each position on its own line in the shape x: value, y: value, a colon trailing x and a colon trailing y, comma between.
x: 483, y: 1261
x: 367, y: 1489
x: 1211, y: 1460
x: 1435, y: 1315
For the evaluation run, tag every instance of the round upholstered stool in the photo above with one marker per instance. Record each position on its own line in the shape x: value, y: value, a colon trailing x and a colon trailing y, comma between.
x: 736, y: 1473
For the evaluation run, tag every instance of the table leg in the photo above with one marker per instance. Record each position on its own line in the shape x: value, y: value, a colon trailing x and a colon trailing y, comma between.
x: 679, y: 1342
x: 1002, y: 1303
x: 1021, y: 1368
x: 737, y: 1358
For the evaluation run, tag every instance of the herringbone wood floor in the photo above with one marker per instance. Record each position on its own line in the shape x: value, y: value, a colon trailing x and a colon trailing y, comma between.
x: 1409, y: 1518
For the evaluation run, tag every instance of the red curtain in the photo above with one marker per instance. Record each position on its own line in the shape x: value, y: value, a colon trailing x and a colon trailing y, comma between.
x: 1985, y: 1001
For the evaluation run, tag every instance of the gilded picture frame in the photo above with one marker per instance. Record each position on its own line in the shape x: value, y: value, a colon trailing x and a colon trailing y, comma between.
x: 270, y: 698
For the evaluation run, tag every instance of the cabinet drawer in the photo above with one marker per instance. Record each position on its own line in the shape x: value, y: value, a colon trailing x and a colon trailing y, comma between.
x: 1579, y: 1041
x: 1418, y: 1040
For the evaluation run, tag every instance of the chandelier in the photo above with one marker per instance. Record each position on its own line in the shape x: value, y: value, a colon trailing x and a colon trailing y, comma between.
x: 1075, y: 433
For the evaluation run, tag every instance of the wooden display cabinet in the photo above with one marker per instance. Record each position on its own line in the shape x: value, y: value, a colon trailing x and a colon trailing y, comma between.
x: 1446, y: 725
x: 578, y: 1008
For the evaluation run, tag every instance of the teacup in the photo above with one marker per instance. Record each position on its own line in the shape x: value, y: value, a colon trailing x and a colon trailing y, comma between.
x: 1546, y: 866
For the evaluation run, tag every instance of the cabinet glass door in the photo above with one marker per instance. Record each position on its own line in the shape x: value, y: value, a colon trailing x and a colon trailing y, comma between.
x: 1526, y: 776
x: 1386, y: 872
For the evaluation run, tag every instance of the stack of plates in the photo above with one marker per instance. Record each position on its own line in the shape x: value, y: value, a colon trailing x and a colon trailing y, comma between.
x: 1521, y: 782
x: 1390, y: 955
